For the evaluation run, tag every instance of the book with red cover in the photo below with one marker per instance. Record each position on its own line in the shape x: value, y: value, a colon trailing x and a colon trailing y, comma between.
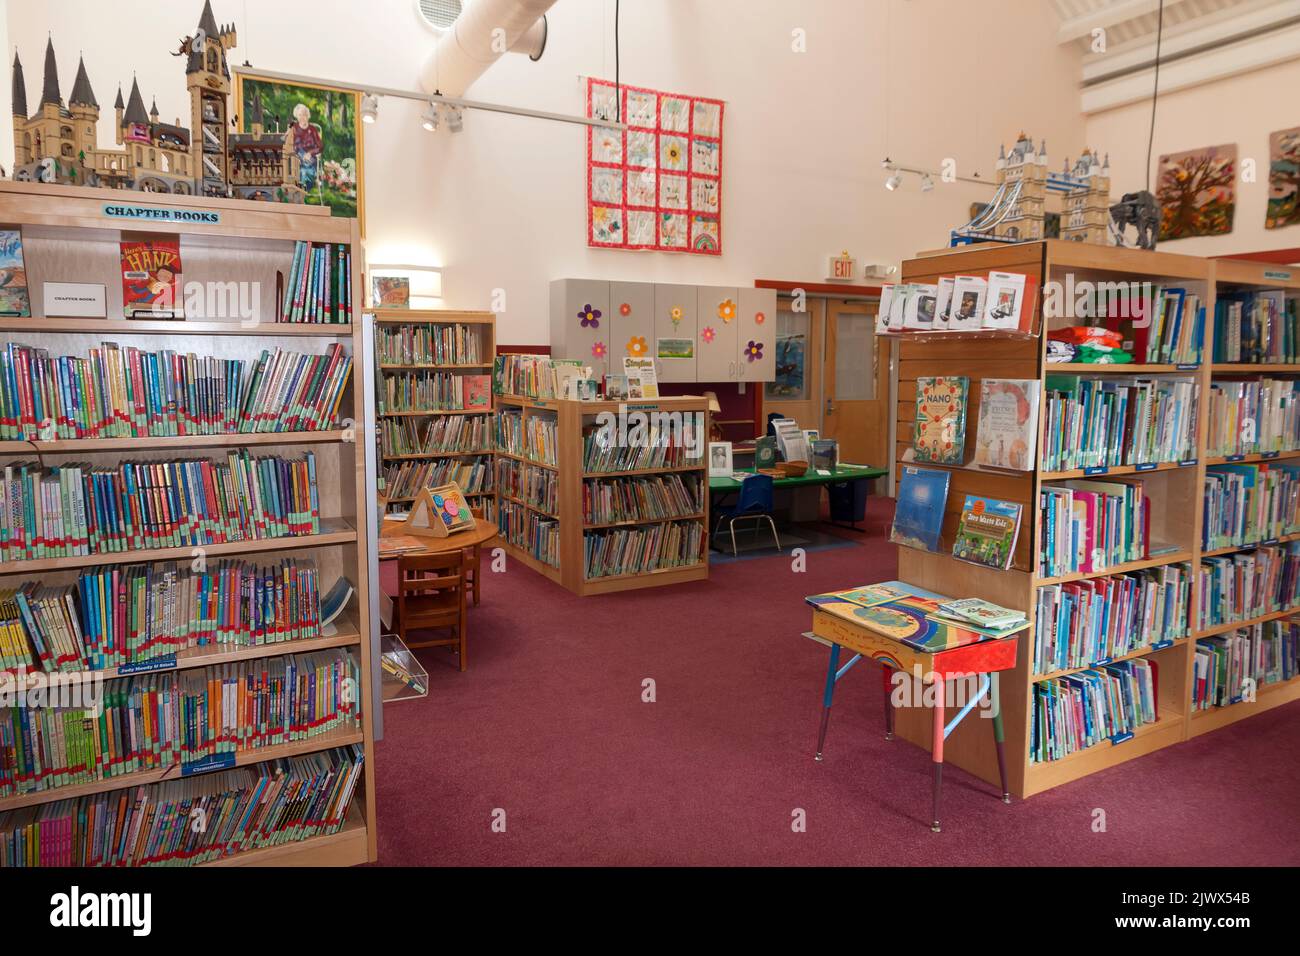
x: 151, y: 270
x: 478, y: 390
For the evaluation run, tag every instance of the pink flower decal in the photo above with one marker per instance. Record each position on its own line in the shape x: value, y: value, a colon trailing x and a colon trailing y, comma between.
x: 625, y: 309
x: 707, y: 333
x: 759, y: 318
x: 754, y: 351
x: 598, y: 350
x: 590, y: 317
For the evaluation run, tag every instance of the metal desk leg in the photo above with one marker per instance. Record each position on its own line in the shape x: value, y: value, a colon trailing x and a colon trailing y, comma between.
x: 995, y: 697
x: 887, y: 673
x: 936, y: 754
x: 831, y: 670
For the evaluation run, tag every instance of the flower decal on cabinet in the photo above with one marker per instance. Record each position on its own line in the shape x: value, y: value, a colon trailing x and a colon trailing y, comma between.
x: 625, y: 309
x: 754, y: 351
x: 636, y: 347
x: 598, y: 350
x: 590, y: 317
x: 675, y: 313
x: 759, y: 318
x: 726, y: 310
x: 707, y: 333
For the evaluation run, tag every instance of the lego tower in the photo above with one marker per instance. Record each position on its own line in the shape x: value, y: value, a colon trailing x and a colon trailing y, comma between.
x: 207, y: 77
x: 1024, y: 221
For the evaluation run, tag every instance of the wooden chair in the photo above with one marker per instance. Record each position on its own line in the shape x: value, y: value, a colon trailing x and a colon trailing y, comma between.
x: 431, y: 593
x: 473, y: 559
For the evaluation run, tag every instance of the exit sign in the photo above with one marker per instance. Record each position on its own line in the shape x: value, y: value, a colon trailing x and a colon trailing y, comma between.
x: 841, y: 268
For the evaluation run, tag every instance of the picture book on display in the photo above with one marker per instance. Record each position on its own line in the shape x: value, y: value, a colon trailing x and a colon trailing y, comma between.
x: 905, y: 613
x: 918, y: 516
x: 984, y: 613
x: 151, y: 270
x: 478, y: 390
x: 966, y: 308
x: 940, y: 433
x: 987, y: 531
x: 1007, y: 435
x: 1010, y: 302
x: 14, y: 299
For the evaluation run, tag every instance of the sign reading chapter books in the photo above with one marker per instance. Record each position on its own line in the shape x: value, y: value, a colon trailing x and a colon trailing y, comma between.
x: 657, y: 185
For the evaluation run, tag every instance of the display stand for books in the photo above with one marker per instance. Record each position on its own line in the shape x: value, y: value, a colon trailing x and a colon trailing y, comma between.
x: 569, y: 532
x: 72, y: 234
x: 1174, y: 488
x: 475, y: 331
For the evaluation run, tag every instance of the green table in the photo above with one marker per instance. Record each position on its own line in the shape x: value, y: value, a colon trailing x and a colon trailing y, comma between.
x: 801, y: 510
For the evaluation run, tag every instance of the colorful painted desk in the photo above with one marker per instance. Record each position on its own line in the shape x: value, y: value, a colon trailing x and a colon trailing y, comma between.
x: 890, y: 623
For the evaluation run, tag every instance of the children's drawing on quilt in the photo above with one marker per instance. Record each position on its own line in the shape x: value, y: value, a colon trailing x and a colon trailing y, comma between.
x: 640, y: 227
x: 672, y: 192
x: 603, y: 103
x: 708, y: 119
x: 674, y: 114
x: 672, y: 230
x: 641, y: 188
x: 704, y: 159
x: 704, y: 234
x: 640, y: 149
x: 641, y: 108
x: 672, y: 153
x: 606, y: 225
x: 607, y: 185
x: 607, y: 147
x: 705, y: 197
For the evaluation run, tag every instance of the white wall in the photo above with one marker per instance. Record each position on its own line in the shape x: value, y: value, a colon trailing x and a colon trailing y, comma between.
x: 500, y: 205
x: 1242, y: 109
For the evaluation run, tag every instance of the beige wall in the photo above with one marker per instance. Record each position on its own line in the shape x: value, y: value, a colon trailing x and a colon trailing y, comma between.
x: 1242, y: 109
x: 500, y: 205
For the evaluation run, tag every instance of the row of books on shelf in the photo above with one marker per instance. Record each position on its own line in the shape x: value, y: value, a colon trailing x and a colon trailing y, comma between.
x: 79, y: 509
x: 193, y: 719
x: 658, y: 448
x: 127, y: 392
x: 1096, y: 422
x: 1007, y: 431
x: 657, y: 547
x: 532, y: 376
x: 319, y: 285
x: 539, y: 487
x: 427, y: 343
x: 1090, y: 525
x: 431, y: 436
x: 964, y: 303
x: 433, y: 392
x: 1245, y: 504
x: 639, y: 499
x: 1078, y: 711
x: 126, y: 614
x: 1256, y: 327
x: 1159, y: 325
x: 1238, y: 587
x: 246, y: 808
x: 529, y: 531
x: 535, y: 437
x: 406, y: 479
x: 1253, y: 417
x: 1231, y: 668
x: 1091, y: 622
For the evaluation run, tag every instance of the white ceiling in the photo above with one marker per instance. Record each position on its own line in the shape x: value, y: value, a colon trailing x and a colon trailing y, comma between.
x: 1128, y: 20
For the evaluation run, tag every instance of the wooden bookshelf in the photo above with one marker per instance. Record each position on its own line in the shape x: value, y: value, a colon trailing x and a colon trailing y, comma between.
x: 572, y: 418
x: 68, y: 236
x: 1176, y: 490
x: 482, y: 327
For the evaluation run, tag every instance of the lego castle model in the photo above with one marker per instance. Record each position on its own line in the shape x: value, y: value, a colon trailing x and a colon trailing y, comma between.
x: 1018, y: 213
x: 58, y: 143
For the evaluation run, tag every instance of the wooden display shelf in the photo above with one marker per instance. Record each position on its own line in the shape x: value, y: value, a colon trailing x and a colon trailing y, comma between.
x: 1148, y: 738
x: 70, y: 446
x: 174, y: 327
x: 528, y: 504
x: 527, y: 461
x: 333, y: 531
x: 433, y: 317
x: 243, y: 758
x: 1113, y: 470
x: 665, y: 470
x: 660, y: 577
x: 1216, y: 629
x: 632, y: 522
x: 1126, y: 368
x: 425, y: 455
x: 432, y: 413
x: 389, y: 367
x: 67, y: 236
x: 1173, y: 558
x: 1131, y: 655
x: 1253, y: 458
x: 1248, y: 368
x: 1267, y: 696
x: 1264, y: 543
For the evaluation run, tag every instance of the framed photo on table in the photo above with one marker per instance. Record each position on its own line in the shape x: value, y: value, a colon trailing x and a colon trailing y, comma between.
x: 720, y: 459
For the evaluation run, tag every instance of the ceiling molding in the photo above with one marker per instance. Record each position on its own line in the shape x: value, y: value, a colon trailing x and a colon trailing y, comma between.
x: 1107, y: 15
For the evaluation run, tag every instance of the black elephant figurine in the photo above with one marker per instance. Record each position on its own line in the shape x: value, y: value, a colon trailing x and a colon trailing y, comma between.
x: 1140, y: 210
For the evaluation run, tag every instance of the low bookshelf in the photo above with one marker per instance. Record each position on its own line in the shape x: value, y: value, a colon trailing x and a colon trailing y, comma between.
x: 165, y: 424
x: 434, y: 404
x: 582, y: 518
x: 1173, y: 558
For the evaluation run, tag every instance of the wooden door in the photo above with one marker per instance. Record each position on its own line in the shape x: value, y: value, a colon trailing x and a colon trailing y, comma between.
x: 797, y: 350
x: 856, y: 409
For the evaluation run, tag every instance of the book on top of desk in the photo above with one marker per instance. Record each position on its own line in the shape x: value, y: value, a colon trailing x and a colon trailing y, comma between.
x: 907, y: 614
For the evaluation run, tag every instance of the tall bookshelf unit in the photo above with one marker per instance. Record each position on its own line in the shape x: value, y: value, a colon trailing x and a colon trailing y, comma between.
x: 571, y: 419
x: 68, y: 235
x: 416, y: 325
x: 1175, y: 490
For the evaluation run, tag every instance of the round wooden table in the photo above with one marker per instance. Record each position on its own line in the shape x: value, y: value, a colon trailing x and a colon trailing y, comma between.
x: 482, y: 532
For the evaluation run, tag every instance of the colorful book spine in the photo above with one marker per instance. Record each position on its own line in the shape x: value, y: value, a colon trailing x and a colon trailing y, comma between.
x: 1078, y: 711
x: 1248, y: 504
x: 318, y: 287
x: 1238, y: 587
x: 1231, y: 668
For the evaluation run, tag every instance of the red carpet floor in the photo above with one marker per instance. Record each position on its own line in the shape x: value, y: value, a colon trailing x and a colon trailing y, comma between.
x: 548, y: 724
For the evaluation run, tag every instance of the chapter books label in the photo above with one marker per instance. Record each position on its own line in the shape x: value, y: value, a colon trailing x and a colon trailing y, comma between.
x: 941, y: 419
x: 1007, y: 436
x: 987, y: 531
x: 151, y: 270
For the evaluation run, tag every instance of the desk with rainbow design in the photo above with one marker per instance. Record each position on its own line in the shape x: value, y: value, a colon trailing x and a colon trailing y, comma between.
x: 902, y: 627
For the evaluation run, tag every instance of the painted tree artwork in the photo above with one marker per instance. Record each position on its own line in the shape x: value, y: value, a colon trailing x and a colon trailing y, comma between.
x: 1283, y: 179
x: 1197, y: 191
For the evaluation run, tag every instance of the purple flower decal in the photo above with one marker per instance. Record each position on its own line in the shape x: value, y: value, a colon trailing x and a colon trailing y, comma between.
x: 590, y: 317
x: 754, y: 351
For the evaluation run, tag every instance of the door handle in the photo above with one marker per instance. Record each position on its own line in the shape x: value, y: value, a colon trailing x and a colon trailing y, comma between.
x: 830, y: 406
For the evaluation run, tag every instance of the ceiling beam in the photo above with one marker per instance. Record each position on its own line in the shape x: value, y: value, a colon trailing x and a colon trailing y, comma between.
x: 1115, y: 12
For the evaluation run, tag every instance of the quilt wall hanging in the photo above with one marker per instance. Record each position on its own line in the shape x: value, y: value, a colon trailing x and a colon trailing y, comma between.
x: 657, y: 185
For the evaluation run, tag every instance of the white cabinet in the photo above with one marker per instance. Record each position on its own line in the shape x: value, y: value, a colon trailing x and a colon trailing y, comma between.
x: 716, y: 340
x: 756, y: 336
x: 675, y: 332
x: 580, y: 323
x: 632, y: 321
